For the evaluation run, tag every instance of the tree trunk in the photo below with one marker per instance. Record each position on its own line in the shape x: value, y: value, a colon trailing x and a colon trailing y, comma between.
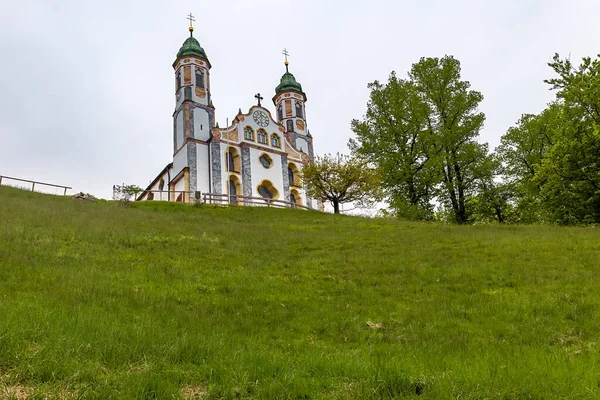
x: 336, y: 206
x: 499, y: 214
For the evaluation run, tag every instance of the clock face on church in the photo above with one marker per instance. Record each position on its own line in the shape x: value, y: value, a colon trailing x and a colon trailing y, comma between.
x: 260, y: 118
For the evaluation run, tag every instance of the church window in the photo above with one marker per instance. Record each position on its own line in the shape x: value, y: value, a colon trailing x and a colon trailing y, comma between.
x: 199, y: 79
x: 265, y: 161
x: 267, y: 190
x: 294, y: 175
x: 291, y: 175
x: 275, y: 140
x: 229, y: 160
x: 161, y: 184
x: 235, y: 189
x: 299, y: 110
x: 233, y: 160
x: 290, y: 125
x: 295, y: 197
x: 178, y: 80
x: 264, y: 192
x: 262, y: 136
x: 151, y: 196
x: 248, y: 133
x: 280, y: 112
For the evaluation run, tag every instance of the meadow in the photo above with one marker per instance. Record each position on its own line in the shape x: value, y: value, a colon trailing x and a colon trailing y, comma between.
x: 163, y: 300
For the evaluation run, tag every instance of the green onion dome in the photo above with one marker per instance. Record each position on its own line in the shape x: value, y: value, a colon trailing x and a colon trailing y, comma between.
x: 191, y: 47
x: 288, y: 82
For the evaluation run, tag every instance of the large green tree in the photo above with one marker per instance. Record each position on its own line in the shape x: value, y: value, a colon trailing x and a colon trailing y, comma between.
x: 394, y: 136
x: 553, y: 158
x: 521, y: 151
x: 494, y: 199
x: 570, y: 174
x: 421, y: 133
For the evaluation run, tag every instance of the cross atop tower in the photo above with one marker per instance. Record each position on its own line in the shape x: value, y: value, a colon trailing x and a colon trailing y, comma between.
x: 259, y: 98
x: 286, y: 54
x: 192, y: 19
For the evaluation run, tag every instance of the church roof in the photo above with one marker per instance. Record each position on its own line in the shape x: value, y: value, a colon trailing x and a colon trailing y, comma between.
x: 191, y: 47
x: 288, y: 82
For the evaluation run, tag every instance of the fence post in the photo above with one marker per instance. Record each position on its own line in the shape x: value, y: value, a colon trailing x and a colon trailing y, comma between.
x: 65, y: 192
x: 33, y: 187
x: 0, y: 179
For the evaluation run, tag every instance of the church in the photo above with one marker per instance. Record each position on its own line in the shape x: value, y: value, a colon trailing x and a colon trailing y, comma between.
x: 254, y: 161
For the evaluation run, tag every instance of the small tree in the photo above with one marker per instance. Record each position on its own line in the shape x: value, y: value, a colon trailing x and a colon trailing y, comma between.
x: 124, y: 193
x: 341, y: 179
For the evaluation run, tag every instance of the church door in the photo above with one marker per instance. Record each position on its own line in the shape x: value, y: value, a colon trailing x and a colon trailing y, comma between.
x: 232, y: 192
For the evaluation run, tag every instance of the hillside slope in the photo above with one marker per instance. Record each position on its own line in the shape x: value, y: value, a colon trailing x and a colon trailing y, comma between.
x: 170, y: 301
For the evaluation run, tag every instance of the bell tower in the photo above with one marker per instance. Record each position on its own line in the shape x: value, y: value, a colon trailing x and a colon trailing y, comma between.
x: 289, y: 102
x: 194, y: 115
x: 193, y: 105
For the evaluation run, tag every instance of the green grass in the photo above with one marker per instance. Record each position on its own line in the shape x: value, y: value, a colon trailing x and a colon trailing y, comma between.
x: 166, y: 300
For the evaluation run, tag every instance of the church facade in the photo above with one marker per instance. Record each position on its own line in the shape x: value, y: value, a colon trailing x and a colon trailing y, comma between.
x: 258, y: 157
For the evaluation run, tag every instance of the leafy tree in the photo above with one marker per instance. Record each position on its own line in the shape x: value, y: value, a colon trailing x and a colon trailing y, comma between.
x: 522, y: 150
x: 394, y: 136
x: 421, y: 134
x: 455, y: 122
x: 570, y: 174
x: 494, y: 199
x: 552, y: 158
x: 124, y: 193
x: 341, y: 179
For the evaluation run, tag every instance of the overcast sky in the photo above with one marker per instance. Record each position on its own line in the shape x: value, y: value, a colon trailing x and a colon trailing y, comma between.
x: 87, y: 87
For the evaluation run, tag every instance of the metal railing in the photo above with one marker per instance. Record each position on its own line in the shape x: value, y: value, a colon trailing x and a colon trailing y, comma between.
x: 33, y: 183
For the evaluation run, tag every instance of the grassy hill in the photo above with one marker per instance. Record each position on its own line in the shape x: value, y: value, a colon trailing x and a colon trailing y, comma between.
x: 171, y: 301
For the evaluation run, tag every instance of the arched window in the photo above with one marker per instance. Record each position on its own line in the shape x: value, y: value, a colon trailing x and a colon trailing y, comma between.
x: 178, y: 81
x: 161, y: 184
x: 290, y: 125
x: 299, y: 110
x: 262, y: 136
x: 233, y: 160
x: 295, y: 197
x: 230, y: 166
x: 291, y: 175
x: 275, y: 140
x: 199, y: 79
x: 151, y: 196
x: 235, y: 189
x: 248, y: 133
x: 280, y: 113
x: 294, y: 175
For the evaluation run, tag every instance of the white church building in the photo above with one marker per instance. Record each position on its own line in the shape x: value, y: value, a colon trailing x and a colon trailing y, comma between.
x: 255, y: 160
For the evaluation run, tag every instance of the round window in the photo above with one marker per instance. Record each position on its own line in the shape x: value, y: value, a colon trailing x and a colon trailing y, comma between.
x: 266, y: 161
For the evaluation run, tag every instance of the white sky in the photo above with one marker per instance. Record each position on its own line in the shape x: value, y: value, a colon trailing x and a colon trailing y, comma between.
x: 87, y: 87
